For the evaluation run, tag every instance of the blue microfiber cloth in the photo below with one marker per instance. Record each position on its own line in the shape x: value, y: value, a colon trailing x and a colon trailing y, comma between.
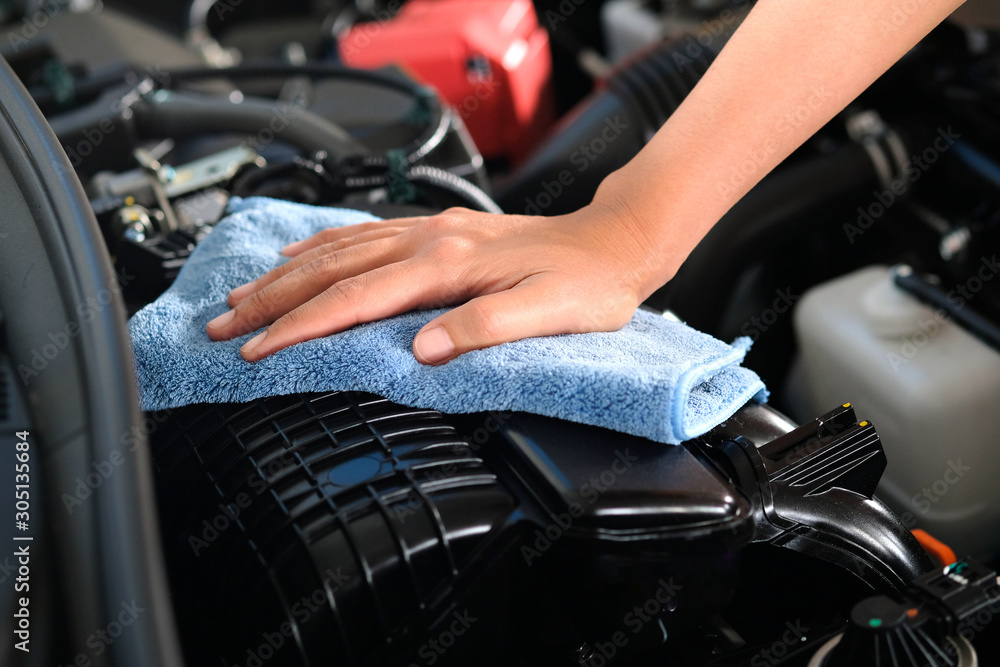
x: 655, y: 378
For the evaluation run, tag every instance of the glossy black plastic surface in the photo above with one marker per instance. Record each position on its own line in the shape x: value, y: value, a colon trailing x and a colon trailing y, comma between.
x: 624, y: 485
x: 399, y: 518
x: 342, y: 519
x: 813, y: 492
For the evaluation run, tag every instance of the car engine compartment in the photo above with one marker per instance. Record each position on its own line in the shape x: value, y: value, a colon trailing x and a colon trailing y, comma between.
x: 340, y: 528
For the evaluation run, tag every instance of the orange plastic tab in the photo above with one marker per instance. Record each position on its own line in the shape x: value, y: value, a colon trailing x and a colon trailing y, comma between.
x: 935, y: 547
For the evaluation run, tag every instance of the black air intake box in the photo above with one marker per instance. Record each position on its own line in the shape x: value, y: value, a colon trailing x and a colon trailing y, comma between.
x: 341, y: 529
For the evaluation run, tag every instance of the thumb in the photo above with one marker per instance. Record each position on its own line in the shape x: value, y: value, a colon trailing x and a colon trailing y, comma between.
x: 520, y: 312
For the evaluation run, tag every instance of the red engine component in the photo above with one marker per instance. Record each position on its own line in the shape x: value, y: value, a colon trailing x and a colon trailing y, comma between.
x: 489, y: 59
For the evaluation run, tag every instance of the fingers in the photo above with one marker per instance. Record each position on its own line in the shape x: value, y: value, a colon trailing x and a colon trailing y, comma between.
x: 301, y: 284
x: 528, y: 309
x: 529, y: 279
x: 242, y: 292
x: 540, y: 305
x: 338, y: 233
x: 374, y: 295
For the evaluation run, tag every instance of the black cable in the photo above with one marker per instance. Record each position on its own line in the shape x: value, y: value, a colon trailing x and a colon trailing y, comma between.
x: 932, y: 295
x: 449, y: 182
x: 356, y: 174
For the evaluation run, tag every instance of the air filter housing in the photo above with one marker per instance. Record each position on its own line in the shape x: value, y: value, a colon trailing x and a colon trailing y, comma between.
x: 343, y: 529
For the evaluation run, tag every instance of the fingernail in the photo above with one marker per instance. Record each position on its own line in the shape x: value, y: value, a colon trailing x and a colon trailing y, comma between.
x: 292, y: 248
x: 222, y: 320
x: 243, y: 290
x: 253, y: 344
x: 433, y: 346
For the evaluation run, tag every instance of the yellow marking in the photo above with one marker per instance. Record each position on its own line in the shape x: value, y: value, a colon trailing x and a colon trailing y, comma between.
x: 863, y: 424
x: 129, y: 200
x: 846, y: 405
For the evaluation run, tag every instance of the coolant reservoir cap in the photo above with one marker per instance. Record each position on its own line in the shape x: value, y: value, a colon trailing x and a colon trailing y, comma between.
x: 891, y: 312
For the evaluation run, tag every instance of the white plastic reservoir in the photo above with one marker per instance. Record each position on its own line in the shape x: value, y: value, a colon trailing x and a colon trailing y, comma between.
x: 931, y: 389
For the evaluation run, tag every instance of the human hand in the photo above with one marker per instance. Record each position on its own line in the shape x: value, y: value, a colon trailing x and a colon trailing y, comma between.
x: 521, y: 276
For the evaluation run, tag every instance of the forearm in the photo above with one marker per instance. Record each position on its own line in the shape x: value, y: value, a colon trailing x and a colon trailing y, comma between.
x: 786, y: 72
x: 790, y: 67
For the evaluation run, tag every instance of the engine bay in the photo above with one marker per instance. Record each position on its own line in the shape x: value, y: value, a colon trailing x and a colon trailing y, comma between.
x: 341, y: 528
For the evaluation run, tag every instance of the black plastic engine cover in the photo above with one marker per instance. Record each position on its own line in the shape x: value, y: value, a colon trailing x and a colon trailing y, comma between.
x: 344, y: 529
x: 357, y: 529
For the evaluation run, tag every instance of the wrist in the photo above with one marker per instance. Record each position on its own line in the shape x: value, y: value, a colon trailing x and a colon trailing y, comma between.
x: 622, y: 205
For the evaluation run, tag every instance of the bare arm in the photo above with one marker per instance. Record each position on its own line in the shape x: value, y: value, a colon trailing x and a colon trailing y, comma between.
x: 787, y: 70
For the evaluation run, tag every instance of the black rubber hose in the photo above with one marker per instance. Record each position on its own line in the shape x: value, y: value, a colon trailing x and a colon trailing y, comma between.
x: 178, y: 114
x: 449, y: 182
x: 283, y: 69
x: 932, y: 295
x: 438, y: 117
x: 88, y: 86
x: 605, y: 130
x: 976, y: 165
x: 96, y: 136
x: 781, y: 207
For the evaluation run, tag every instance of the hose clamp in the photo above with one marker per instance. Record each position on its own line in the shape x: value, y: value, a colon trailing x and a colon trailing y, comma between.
x: 884, y: 146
